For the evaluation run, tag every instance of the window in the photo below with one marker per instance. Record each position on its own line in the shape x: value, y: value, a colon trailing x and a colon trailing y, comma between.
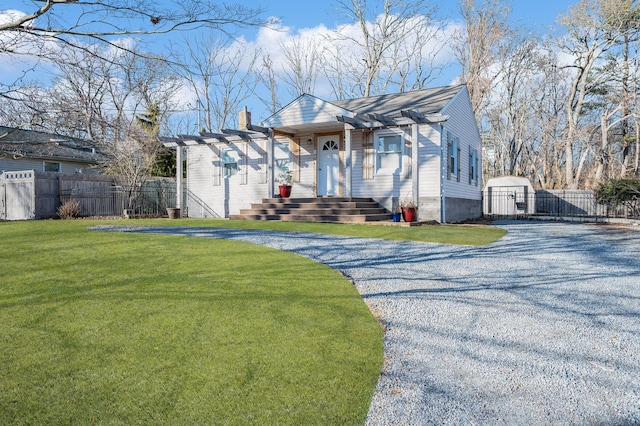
x: 282, y: 157
x: 453, y: 157
x: 52, y: 167
x: 473, y: 167
x: 389, y: 152
x: 230, y: 162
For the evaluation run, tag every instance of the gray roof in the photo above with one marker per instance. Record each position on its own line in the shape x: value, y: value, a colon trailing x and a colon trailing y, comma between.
x: 41, y: 145
x: 427, y: 101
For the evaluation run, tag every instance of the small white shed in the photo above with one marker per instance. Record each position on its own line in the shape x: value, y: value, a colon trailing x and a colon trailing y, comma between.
x: 508, y: 196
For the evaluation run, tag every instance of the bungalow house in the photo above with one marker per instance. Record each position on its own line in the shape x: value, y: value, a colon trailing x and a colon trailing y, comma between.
x: 421, y: 146
x: 46, y: 152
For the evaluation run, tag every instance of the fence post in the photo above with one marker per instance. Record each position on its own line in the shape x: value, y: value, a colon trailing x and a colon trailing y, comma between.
x: 179, y: 180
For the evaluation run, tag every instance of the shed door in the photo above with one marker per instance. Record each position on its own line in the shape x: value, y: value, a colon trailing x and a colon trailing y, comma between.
x: 328, y: 165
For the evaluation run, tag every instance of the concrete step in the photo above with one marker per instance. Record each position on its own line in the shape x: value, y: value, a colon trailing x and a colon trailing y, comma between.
x: 314, y: 218
x: 313, y: 206
x: 322, y: 209
x: 307, y: 211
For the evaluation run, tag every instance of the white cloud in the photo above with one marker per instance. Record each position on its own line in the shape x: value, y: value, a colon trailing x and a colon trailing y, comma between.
x: 342, y: 40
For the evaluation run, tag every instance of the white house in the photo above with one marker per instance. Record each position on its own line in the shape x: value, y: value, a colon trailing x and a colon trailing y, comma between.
x: 422, y: 146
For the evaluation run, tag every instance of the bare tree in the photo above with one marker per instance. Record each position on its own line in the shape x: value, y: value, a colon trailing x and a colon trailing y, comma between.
x: 509, y: 114
x: 223, y: 74
x: 380, y: 30
x: 549, y: 90
x: 304, y: 57
x: 478, y: 46
x: 269, y: 79
x: 593, y: 28
x: 52, y: 26
x: 412, y: 63
x: 70, y: 21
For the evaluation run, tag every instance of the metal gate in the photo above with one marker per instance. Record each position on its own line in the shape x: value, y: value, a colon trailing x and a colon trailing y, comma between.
x: 508, y: 202
x: 17, y: 195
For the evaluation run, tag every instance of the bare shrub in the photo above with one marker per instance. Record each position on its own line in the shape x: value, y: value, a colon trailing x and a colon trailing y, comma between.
x: 69, y: 209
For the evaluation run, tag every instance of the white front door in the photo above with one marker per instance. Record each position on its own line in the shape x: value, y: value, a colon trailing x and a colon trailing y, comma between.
x: 328, y: 165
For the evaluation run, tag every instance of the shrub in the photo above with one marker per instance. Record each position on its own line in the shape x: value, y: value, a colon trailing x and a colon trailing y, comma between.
x: 616, y: 192
x: 69, y: 209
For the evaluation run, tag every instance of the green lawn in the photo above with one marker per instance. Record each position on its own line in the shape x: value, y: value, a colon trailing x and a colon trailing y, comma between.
x: 447, y: 234
x: 112, y: 328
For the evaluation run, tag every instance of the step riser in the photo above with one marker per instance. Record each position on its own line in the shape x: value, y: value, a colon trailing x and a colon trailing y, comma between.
x: 330, y: 209
x: 313, y: 212
x: 314, y: 206
x: 320, y: 218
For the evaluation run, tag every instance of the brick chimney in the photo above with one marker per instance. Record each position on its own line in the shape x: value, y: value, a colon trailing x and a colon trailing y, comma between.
x: 244, y: 120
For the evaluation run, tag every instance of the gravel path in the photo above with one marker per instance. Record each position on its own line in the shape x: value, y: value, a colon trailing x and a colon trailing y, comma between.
x: 542, y: 327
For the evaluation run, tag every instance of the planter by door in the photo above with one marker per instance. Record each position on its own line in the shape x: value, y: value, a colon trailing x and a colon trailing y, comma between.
x: 409, y: 214
x: 285, y: 191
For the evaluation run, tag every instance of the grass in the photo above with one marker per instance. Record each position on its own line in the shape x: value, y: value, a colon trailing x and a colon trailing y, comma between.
x: 475, y: 235
x: 110, y: 328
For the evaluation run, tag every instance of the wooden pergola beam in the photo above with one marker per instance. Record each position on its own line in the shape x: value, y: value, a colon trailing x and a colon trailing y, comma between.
x: 419, y: 117
x: 245, y: 135
x: 355, y: 123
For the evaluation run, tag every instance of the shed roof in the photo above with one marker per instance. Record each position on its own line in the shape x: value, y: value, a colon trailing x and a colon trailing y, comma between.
x: 42, y: 145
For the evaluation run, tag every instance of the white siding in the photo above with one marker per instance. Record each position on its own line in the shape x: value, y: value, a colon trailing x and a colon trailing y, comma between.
x: 306, y: 109
x: 462, y: 125
x: 383, y: 187
x: 430, y: 161
x: 306, y: 186
x: 9, y: 164
x: 207, y: 199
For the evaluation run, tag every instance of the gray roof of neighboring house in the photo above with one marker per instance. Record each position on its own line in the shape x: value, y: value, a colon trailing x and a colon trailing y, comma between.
x: 427, y: 101
x: 41, y: 145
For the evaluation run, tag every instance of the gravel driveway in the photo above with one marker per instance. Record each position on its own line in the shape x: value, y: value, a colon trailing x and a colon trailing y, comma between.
x: 542, y: 327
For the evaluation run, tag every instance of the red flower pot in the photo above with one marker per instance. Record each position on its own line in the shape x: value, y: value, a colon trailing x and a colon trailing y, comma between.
x: 285, y: 191
x: 409, y: 214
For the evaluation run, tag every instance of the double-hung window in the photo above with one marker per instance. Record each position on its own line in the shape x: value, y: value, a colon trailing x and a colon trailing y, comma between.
x: 473, y: 167
x: 282, y: 157
x: 230, y: 162
x: 389, y: 152
x: 453, y: 158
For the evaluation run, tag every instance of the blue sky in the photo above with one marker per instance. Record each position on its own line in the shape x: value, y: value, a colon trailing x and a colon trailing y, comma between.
x: 537, y: 14
x: 295, y: 15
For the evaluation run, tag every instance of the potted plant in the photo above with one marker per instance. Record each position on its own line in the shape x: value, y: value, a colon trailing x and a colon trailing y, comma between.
x: 395, y: 211
x: 409, y: 210
x: 285, y: 179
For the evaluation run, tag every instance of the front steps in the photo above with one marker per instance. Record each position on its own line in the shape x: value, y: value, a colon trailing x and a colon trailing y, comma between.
x: 323, y: 209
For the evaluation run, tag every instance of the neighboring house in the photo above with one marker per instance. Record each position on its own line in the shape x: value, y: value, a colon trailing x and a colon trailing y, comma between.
x: 422, y: 146
x: 46, y: 152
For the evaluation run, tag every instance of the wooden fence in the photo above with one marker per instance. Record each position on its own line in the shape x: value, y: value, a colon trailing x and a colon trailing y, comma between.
x: 37, y: 195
